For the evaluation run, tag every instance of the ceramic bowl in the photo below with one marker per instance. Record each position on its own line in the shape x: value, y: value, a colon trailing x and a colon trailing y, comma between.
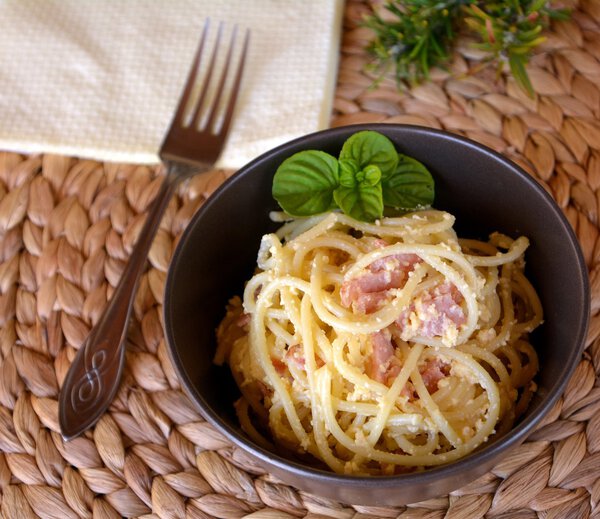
x: 485, y: 191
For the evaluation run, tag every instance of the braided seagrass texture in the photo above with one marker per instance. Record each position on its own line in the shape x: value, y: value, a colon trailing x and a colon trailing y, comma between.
x: 67, y: 226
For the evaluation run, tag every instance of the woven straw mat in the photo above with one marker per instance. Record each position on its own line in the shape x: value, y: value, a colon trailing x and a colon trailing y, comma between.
x: 67, y: 226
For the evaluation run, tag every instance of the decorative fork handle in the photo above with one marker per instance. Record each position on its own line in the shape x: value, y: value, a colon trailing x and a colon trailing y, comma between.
x: 93, y: 378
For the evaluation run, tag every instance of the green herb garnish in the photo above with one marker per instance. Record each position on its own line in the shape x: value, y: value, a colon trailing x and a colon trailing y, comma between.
x: 368, y: 175
x: 412, y: 36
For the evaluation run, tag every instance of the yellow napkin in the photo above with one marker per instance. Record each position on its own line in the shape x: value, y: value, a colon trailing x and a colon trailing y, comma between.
x: 102, y: 79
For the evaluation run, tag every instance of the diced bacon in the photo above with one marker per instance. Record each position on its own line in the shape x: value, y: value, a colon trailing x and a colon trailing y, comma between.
x: 262, y: 388
x: 393, y: 371
x: 374, y: 243
x: 404, y: 262
x: 437, y: 309
x: 243, y: 320
x: 279, y: 366
x: 295, y: 355
x: 368, y: 303
x: 365, y: 292
x: 383, y: 365
x: 380, y: 280
x: 434, y: 371
x: 355, y: 290
x: 380, y: 360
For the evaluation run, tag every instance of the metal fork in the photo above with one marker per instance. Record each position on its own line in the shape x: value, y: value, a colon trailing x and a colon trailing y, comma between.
x: 192, y: 144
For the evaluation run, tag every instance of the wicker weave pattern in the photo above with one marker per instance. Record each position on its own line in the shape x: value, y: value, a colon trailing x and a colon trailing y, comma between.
x: 68, y: 225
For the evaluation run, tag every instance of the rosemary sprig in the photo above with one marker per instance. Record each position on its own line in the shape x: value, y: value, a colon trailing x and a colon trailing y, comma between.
x: 412, y: 36
x: 510, y: 30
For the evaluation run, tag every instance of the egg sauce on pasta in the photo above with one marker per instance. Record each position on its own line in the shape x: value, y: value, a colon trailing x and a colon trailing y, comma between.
x: 382, y: 348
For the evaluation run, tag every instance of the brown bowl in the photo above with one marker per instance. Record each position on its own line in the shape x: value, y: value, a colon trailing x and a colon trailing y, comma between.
x: 485, y: 191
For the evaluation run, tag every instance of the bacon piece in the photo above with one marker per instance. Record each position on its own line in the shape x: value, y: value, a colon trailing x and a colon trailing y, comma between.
x: 262, y: 388
x: 295, y: 354
x: 405, y: 262
x: 243, y: 319
x: 434, y: 371
x: 437, y: 310
x: 365, y: 302
x: 381, y: 358
x: 383, y: 365
x: 366, y: 292
x: 279, y: 366
x: 369, y: 283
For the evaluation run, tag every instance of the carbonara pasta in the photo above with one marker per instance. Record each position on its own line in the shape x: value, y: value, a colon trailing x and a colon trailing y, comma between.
x: 381, y: 348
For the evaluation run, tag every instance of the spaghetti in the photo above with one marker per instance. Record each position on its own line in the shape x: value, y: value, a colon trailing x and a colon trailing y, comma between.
x: 380, y: 348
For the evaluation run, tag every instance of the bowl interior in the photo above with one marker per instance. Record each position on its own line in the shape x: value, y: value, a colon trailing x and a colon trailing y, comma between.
x: 486, y: 193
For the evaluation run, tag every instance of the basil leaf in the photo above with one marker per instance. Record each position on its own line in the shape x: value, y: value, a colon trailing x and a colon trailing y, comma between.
x: 348, y: 171
x: 304, y: 183
x: 370, y: 148
x: 410, y: 186
x: 361, y: 202
x: 369, y: 176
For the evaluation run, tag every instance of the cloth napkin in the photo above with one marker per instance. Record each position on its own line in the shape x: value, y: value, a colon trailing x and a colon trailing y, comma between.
x: 102, y: 79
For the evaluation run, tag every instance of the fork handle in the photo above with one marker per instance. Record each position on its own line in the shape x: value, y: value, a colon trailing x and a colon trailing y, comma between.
x: 93, y: 378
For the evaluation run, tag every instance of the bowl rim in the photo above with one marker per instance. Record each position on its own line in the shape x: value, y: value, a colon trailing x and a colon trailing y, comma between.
x: 485, y: 453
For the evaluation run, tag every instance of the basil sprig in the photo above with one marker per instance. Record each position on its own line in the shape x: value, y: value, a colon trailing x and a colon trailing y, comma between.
x: 368, y: 175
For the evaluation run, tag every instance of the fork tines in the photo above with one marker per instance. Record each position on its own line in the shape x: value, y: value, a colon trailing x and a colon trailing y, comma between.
x: 204, y: 103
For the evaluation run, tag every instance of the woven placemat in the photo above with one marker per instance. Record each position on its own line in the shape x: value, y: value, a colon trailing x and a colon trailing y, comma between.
x: 67, y: 226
